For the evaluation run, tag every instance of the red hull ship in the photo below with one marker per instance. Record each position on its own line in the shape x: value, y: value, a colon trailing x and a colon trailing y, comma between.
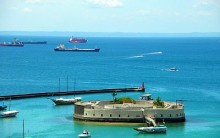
x: 77, y: 40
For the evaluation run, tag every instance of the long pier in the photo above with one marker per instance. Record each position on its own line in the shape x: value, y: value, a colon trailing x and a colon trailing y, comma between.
x: 47, y: 94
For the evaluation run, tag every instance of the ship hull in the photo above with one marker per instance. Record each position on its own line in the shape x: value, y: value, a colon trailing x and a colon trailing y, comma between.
x: 9, y: 114
x: 29, y: 42
x: 3, y: 107
x: 156, y: 129
x: 62, y: 101
x: 78, y: 50
x: 15, y: 45
x: 78, y: 41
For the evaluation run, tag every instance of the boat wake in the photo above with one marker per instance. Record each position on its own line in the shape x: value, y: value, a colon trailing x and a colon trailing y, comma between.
x: 142, y: 55
x: 153, y: 53
x: 138, y: 56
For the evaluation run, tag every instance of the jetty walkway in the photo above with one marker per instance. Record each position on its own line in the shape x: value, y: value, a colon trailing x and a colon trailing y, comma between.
x: 47, y: 94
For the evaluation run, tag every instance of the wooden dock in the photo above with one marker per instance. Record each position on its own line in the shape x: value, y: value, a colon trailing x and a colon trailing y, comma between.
x: 47, y: 94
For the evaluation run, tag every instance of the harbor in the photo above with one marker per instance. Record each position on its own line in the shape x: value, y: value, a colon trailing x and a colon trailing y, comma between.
x: 37, y: 68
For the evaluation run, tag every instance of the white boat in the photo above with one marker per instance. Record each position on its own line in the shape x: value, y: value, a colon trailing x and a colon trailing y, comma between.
x: 172, y: 69
x: 152, y: 129
x: 85, y: 134
x: 12, y: 113
x: 9, y: 113
x: 63, y: 101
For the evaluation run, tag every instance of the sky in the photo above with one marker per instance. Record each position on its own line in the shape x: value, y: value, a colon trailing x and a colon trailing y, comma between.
x: 133, y: 16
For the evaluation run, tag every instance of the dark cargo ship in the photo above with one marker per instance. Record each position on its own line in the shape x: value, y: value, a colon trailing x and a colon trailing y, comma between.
x: 61, y: 47
x: 34, y: 42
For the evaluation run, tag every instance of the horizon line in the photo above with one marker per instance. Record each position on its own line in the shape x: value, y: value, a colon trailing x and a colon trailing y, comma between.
x: 121, y: 32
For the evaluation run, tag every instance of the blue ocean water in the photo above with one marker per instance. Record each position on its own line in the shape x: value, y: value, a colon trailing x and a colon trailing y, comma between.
x: 121, y: 62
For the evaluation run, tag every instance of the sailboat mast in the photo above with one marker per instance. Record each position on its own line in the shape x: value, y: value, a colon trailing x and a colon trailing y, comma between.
x: 74, y: 86
x: 67, y: 84
x: 59, y: 84
x: 9, y: 104
x: 23, y: 128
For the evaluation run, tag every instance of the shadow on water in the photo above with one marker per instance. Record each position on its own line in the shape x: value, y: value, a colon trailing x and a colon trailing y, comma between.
x: 150, y: 135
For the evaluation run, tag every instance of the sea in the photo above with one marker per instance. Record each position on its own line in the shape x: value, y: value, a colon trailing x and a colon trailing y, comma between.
x: 122, y: 62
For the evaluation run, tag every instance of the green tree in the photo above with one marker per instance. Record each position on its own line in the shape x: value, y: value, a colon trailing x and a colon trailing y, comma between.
x: 158, y: 103
x: 125, y: 100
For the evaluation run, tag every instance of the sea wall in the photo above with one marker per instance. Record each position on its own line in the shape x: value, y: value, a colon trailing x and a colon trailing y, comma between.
x: 47, y: 94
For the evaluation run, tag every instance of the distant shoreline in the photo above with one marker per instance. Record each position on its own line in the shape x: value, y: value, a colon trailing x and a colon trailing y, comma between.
x: 109, y: 34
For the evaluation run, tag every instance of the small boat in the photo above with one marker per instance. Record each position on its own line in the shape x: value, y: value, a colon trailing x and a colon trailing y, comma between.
x: 34, y: 42
x: 172, y: 69
x: 5, y: 114
x: 152, y: 129
x: 62, y: 101
x: 77, y: 40
x: 61, y: 47
x: 3, y: 107
x: 14, y: 42
x: 9, y: 113
x: 85, y: 134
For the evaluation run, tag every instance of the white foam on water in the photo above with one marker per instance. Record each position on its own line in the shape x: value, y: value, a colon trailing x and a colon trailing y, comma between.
x: 153, y: 53
x: 142, y: 55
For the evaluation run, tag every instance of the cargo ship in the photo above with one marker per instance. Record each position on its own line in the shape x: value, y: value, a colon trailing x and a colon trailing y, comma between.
x: 34, y: 42
x: 14, y: 42
x: 61, y: 47
x: 77, y: 40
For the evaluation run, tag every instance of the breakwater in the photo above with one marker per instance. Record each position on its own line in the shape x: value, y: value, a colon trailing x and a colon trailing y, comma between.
x: 47, y: 94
